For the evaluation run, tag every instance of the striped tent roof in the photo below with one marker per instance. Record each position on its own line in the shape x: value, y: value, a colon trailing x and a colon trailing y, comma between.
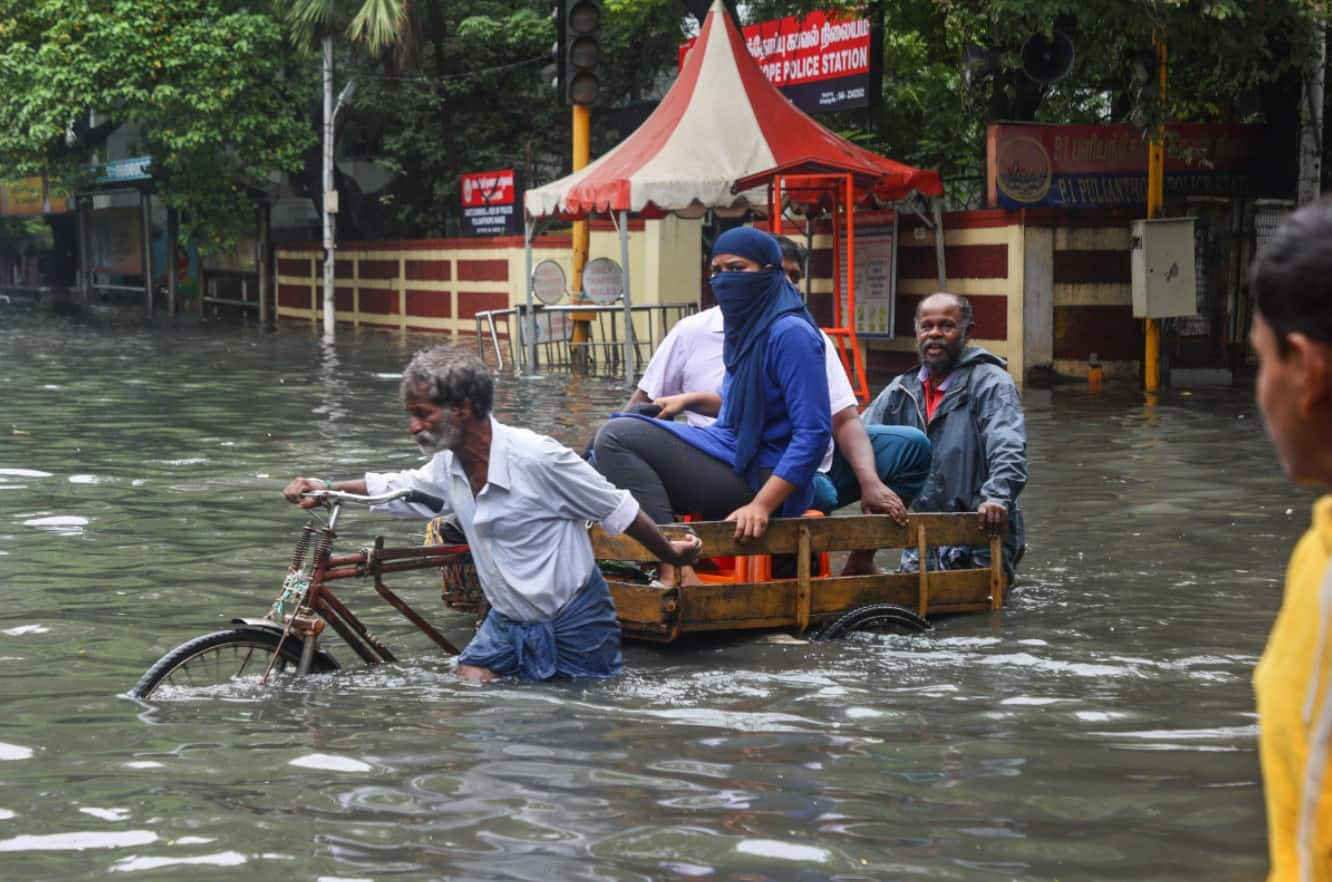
x: 721, y: 121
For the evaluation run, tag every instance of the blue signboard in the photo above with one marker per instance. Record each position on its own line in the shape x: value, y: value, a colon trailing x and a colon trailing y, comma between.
x: 138, y: 168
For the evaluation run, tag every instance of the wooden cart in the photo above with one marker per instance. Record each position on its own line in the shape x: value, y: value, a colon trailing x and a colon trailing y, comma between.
x: 662, y: 614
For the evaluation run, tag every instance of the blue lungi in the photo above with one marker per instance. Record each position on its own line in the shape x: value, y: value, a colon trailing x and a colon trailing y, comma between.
x: 583, y: 640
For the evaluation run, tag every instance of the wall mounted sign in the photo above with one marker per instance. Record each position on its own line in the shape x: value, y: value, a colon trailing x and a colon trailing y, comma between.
x: 489, y: 200
x: 1106, y: 166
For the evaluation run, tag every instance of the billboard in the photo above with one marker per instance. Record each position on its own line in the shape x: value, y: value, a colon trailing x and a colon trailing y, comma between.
x: 821, y: 61
x: 1105, y: 166
x: 489, y: 200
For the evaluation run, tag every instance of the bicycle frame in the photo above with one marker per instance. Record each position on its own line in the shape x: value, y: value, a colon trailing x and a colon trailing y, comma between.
x: 321, y: 605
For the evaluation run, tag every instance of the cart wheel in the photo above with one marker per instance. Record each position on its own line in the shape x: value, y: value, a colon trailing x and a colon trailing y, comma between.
x: 880, y: 618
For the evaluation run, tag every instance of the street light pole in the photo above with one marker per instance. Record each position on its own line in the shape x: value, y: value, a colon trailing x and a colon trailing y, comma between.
x: 331, y: 111
x: 329, y: 194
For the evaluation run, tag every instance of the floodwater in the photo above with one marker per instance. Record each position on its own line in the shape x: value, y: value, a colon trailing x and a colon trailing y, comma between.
x: 1101, y: 727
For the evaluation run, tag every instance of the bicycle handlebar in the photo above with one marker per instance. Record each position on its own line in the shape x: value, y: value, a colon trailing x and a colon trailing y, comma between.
x: 434, y: 503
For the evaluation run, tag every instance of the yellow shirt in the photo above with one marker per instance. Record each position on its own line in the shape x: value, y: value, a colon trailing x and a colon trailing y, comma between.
x: 1295, y: 713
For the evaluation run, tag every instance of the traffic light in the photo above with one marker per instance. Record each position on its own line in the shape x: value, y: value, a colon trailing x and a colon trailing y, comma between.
x: 577, y: 50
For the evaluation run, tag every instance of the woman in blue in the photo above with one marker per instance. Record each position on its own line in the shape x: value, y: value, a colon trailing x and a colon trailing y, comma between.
x: 759, y: 458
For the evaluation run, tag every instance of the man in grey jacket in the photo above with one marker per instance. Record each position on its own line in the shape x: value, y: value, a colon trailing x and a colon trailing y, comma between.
x: 962, y: 398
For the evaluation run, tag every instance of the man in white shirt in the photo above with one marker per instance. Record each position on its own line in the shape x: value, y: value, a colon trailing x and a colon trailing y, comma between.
x: 882, y: 467
x: 523, y: 501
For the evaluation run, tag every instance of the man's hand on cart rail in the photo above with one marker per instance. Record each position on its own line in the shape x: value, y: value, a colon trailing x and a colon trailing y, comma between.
x: 677, y: 552
x: 993, y: 517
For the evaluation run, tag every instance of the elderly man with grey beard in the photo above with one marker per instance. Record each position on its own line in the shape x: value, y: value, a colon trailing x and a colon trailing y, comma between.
x: 523, y: 501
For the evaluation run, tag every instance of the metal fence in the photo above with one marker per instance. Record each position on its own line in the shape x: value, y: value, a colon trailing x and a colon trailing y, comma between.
x: 500, y: 332
x: 230, y: 291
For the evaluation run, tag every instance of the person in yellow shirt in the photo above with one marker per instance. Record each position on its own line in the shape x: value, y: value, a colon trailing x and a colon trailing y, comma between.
x: 1291, y: 282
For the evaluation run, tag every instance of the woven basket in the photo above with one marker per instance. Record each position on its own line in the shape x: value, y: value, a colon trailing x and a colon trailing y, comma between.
x: 462, y: 587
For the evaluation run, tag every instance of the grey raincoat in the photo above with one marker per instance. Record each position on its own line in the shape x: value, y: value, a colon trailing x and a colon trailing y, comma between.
x: 980, y: 449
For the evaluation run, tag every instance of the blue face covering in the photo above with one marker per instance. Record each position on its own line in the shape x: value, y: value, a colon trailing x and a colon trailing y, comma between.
x: 750, y: 303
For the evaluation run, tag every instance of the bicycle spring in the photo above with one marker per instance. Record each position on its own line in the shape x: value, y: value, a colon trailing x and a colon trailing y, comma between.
x: 302, y: 546
x: 325, y: 546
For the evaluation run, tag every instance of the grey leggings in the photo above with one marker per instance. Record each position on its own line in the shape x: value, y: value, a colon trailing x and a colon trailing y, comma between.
x: 665, y: 474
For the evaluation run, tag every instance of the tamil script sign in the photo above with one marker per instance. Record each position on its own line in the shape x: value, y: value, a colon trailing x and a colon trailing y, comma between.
x: 30, y: 197
x: 819, y: 60
x: 488, y: 201
x: 603, y: 281
x: 876, y: 274
x: 1106, y: 166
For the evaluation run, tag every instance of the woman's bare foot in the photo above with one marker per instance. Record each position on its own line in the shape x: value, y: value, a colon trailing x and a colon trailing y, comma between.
x: 667, y: 573
x: 477, y: 674
x: 861, y: 563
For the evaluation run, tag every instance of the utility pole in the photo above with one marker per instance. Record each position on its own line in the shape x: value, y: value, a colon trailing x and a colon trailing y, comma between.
x: 330, y: 195
x: 582, y: 321
x: 1151, y: 368
x: 331, y: 111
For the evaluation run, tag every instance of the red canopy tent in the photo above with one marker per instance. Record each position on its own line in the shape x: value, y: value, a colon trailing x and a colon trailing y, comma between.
x: 818, y: 187
x: 721, y: 123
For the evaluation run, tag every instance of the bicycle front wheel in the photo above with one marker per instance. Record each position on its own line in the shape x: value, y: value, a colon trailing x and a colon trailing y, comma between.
x: 223, y: 656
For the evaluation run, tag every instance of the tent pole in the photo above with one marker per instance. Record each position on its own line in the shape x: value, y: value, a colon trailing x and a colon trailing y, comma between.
x: 936, y: 204
x: 630, y: 369
x: 528, y: 323
x: 858, y: 379
x: 836, y: 262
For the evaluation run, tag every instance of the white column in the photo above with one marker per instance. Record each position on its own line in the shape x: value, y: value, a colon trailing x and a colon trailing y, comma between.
x: 330, y: 319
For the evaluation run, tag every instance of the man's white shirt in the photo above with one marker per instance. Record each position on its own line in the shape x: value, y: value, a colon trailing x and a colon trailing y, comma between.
x: 528, y: 526
x: 690, y: 360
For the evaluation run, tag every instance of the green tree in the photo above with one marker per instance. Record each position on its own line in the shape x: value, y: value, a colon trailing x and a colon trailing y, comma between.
x: 1229, y: 61
x: 202, y: 80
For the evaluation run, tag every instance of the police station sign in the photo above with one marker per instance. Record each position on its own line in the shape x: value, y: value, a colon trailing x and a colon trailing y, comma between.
x: 489, y: 200
x: 821, y: 61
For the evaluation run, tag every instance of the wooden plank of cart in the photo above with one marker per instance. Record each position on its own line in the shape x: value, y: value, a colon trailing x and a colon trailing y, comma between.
x: 662, y: 614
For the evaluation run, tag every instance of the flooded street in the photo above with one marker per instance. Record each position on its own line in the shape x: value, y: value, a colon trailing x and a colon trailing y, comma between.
x: 1101, y: 727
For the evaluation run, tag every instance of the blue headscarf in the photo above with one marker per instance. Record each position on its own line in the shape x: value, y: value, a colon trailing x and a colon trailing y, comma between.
x: 750, y: 303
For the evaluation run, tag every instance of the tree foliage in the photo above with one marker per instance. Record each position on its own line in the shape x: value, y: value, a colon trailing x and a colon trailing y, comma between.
x: 203, y: 81
x: 226, y: 91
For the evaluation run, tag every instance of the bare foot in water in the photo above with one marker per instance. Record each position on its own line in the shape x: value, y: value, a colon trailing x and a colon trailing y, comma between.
x: 667, y: 573
x: 477, y: 674
x: 861, y: 563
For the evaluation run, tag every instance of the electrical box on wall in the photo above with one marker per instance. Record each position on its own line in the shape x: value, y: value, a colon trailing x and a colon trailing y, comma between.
x: 1165, y: 282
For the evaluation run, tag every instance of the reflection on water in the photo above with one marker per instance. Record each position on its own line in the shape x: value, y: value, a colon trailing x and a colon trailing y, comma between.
x: 1101, y: 727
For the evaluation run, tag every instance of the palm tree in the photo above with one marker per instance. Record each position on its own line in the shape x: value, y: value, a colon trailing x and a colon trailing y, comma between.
x: 379, y: 25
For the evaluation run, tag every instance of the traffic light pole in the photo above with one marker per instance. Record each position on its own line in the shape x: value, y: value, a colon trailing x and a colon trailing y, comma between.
x: 582, y: 321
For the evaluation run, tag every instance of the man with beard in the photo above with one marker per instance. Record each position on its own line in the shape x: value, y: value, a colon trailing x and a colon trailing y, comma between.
x: 962, y: 398
x: 523, y: 501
